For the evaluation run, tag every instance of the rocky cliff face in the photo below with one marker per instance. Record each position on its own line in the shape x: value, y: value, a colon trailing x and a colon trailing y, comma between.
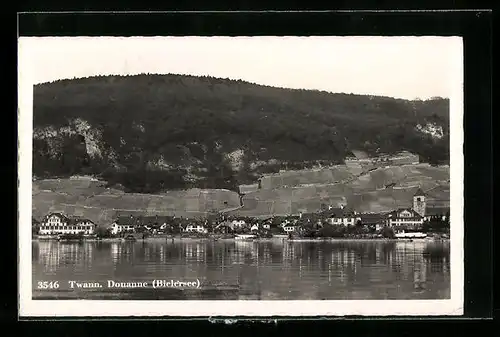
x: 433, y: 129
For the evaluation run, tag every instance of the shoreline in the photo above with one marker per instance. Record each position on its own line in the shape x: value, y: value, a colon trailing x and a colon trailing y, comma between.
x: 191, y: 239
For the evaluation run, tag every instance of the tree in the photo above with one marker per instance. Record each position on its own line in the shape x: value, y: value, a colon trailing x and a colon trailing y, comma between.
x: 35, y: 228
x: 103, y: 232
x: 436, y: 225
x: 388, y: 232
x: 277, y: 230
x: 332, y: 231
x: 357, y: 229
x: 307, y: 231
x: 141, y: 229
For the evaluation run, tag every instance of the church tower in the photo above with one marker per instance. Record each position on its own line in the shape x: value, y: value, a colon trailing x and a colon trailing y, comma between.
x: 419, y: 203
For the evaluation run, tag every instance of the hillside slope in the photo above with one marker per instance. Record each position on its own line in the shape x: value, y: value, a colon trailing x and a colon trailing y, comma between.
x: 92, y: 200
x: 152, y: 133
x: 380, y: 190
x: 364, y: 192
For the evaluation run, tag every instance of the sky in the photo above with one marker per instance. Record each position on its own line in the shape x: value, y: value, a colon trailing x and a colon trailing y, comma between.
x: 401, y: 67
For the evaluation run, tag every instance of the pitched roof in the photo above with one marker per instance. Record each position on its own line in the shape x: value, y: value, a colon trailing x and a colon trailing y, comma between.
x: 127, y: 220
x: 394, y: 214
x: 338, y: 212
x: 59, y: 214
x: 437, y: 210
x: 372, y: 217
x: 73, y: 220
x: 160, y: 219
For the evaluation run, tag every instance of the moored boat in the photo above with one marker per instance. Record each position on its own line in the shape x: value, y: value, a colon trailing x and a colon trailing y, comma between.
x: 411, y: 235
x: 245, y: 237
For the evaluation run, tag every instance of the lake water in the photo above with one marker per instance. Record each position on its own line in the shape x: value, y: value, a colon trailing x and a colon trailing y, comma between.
x: 232, y: 270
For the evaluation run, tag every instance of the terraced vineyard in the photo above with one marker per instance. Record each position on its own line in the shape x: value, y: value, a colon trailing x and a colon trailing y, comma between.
x: 378, y: 190
x: 92, y: 200
x: 375, y: 190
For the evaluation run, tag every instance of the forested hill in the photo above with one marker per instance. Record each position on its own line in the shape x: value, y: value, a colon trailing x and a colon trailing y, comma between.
x: 153, y: 132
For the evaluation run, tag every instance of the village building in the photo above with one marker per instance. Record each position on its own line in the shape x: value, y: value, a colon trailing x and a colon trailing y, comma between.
x: 413, y: 218
x: 58, y: 223
x: 406, y: 218
x: 290, y: 227
x: 313, y: 219
x: 419, y: 202
x: 288, y: 222
x: 156, y: 223
x: 255, y: 227
x: 437, y: 213
x: 373, y: 220
x: 124, y: 224
x: 238, y: 223
x: 271, y: 223
x: 196, y: 228
x: 342, y: 216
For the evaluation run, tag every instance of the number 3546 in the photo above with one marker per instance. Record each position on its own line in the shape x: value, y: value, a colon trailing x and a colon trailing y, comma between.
x: 47, y: 285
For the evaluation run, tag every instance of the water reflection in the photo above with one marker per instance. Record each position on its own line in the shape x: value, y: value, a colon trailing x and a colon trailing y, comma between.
x: 258, y: 270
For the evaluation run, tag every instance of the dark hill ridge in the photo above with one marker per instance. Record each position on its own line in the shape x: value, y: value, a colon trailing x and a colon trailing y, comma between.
x: 154, y: 132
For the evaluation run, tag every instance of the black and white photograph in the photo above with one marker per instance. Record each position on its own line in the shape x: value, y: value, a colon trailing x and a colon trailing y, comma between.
x: 262, y: 176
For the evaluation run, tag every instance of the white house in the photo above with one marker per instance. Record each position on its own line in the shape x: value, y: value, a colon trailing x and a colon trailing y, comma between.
x: 123, y: 224
x: 196, y: 228
x: 342, y: 216
x: 255, y: 227
x: 290, y: 227
x: 237, y: 224
x: 266, y: 226
x: 84, y: 226
x: 405, y: 217
x: 58, y: 223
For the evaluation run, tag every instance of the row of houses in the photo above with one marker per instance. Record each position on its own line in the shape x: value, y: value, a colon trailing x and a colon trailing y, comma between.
x: 58, y: 223
x: 407, y: 218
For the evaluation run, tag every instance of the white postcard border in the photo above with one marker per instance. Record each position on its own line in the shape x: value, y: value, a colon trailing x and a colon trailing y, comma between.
x: 77, y: 308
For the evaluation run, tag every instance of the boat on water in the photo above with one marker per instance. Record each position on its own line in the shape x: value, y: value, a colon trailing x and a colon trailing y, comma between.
x: 245, y: 237
x: 411, y: 235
